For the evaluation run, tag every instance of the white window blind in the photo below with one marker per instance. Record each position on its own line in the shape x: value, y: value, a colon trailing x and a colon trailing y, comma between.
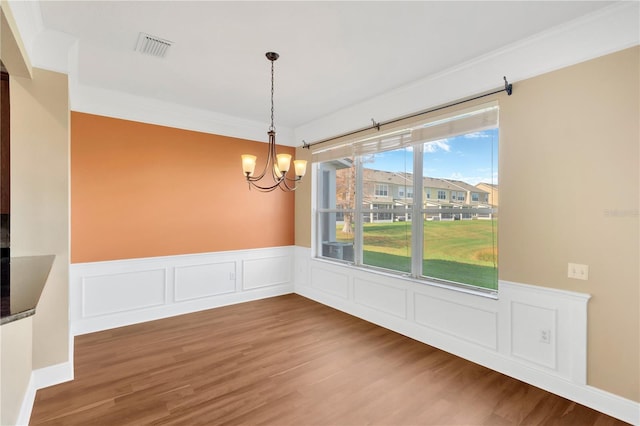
x: 410, y: 131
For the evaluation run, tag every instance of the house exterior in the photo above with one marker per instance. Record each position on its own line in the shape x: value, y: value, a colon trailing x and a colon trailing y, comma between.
x: 492, y: 189
x: 386, y: 194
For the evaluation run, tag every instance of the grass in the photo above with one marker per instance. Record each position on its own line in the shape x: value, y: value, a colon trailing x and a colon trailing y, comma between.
x: 459, y: 251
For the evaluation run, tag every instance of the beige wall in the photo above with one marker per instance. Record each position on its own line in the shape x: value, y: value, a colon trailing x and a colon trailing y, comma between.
x: 39, y: 215
x: 303, y: 202
x: 15, y: 369
x: 40, y: 200
x: 569, y: 192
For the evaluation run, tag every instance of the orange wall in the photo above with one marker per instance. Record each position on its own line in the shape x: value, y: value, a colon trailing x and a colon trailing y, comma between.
x: 142, y: 190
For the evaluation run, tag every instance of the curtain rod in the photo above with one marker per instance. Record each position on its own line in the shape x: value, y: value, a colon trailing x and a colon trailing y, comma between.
x: 508, y: 87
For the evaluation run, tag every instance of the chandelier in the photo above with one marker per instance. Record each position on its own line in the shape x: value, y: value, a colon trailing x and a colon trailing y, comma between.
x: 277, y: 165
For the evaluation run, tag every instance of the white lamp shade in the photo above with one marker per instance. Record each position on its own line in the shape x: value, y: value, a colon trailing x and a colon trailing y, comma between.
x: 284, y: 162
x: 248, y: 164
x: 300, y: 166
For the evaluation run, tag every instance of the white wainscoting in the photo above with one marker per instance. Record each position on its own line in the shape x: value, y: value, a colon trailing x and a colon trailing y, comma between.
x: 535, y: 334
x: 112, y: 294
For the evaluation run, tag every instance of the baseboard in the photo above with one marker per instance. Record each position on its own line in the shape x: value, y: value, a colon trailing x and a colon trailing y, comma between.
x: 42, y: 378
x: 501, y: 334
x: 608, y: 403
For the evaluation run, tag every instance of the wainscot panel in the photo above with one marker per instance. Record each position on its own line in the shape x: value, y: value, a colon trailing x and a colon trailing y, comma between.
x: 528, y: 320
x: 266, y: 272
x: 112, y: 294
x: 334, y: 283
x: 389, y: 299
x: 196, y: 281
x: 478, y: 326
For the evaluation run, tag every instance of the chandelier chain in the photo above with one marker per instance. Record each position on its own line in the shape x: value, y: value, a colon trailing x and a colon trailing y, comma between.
x: 272, y: 127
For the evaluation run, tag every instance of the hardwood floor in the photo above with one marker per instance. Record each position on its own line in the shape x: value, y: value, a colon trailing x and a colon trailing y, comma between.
x: 286, y: 361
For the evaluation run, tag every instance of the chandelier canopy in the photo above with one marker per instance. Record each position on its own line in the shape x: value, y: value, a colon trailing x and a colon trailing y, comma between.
x: 277, y: 165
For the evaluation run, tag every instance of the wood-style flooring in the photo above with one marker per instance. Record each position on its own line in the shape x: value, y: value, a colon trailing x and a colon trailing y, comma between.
x: 286, y: 361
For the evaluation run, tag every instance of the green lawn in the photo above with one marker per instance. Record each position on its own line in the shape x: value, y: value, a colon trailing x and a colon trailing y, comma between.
x: 459, y: 251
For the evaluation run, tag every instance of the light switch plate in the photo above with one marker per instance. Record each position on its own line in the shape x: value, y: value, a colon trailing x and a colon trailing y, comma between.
x: 578, y: 271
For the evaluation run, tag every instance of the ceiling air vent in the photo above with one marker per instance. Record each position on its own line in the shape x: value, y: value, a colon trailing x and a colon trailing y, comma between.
x: 152, y: 45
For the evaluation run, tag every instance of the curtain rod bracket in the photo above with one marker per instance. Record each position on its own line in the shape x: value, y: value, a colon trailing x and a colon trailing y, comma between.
x: 376, y: 125
x: 507, y: 86
x: 305, y: 144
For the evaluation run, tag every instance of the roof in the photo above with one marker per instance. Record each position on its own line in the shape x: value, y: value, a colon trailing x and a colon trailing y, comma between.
x: 490, y: 185
x: 402, y: 178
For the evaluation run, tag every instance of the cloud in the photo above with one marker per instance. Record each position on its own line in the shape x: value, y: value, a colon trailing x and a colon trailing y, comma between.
x: 474, y: 180
x: 477, y: 135
x: 435, y: 146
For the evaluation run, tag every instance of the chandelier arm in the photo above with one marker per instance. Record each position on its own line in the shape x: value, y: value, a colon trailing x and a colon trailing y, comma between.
x: 265, y: 188
x: 286, y: 188
x: 257, y: 178
x: 281, y: 183
x: 271, y: 160
x: 273, y: 155
x: 293, y: 179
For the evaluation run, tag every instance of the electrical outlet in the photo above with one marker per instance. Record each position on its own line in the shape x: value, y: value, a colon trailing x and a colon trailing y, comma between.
x: 545, y: 336
x: 578, y: 271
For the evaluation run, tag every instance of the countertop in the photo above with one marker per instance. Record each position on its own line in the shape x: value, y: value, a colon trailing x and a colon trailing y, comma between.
x: 23, y: 279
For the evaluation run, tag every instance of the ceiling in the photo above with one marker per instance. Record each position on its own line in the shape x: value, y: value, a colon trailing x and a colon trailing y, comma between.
x: 332, y: 54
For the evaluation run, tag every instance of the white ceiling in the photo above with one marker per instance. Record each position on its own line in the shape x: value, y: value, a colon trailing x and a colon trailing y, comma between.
x: 332, y: 54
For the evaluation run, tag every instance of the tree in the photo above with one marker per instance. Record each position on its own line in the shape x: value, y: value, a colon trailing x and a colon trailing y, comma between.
x: 345, y: 195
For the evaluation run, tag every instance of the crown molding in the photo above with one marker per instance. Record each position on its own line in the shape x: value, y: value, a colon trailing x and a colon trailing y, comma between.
x: 605, y: 31
x: 116, y: 104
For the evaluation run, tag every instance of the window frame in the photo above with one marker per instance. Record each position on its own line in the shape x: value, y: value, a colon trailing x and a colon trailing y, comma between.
x: 381, y: 190
x: 417, y: 209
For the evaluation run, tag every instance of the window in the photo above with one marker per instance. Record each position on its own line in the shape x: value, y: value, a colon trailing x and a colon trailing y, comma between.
x: 405, y: 192
x: 452, y: 239
x: 336, y: 207
x: 382, y: 190
x: 386, y: 239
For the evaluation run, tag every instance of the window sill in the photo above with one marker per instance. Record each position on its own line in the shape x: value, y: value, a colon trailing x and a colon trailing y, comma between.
x: 467, y: 289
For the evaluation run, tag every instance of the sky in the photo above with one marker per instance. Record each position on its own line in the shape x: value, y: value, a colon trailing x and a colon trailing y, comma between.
x: 472, y: 158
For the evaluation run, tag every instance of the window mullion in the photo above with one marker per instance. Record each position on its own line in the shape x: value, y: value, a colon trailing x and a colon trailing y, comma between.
x: 417, y: 227
x: 357, y: 237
